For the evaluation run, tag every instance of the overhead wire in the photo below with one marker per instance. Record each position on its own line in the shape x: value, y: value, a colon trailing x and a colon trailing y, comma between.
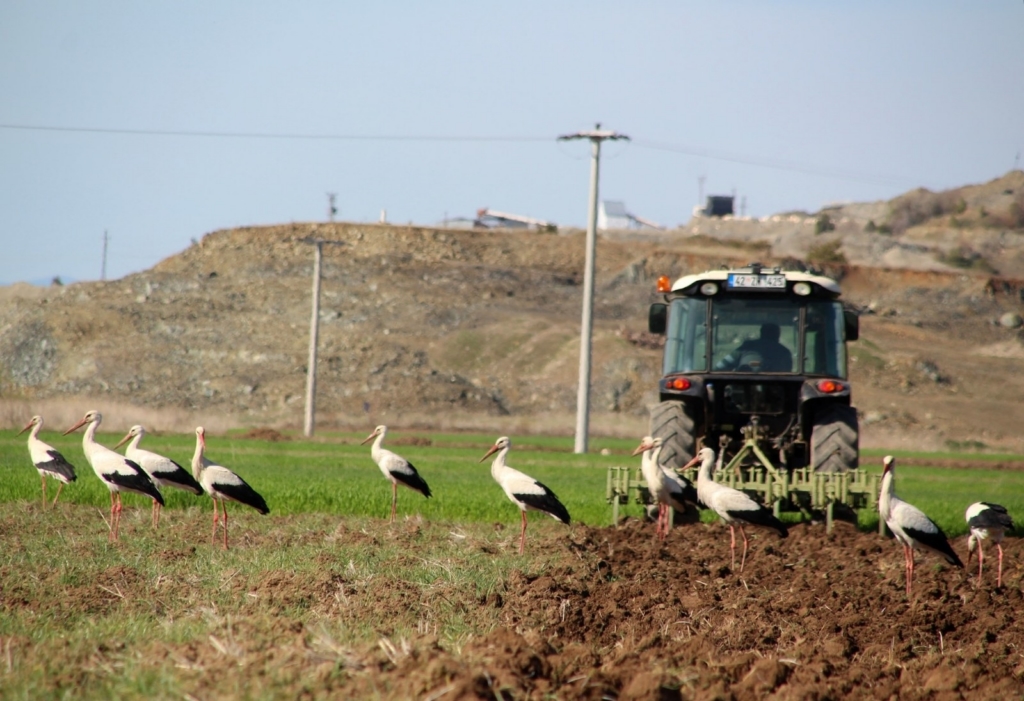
x: 742, y: 159
x: 270, y: 135
x: 775, y: 164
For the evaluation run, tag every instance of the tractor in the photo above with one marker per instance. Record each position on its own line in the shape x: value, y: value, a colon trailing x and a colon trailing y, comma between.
x: 755, y: 366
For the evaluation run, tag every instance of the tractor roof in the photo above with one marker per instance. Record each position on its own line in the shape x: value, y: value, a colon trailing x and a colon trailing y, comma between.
x: 791, y: 276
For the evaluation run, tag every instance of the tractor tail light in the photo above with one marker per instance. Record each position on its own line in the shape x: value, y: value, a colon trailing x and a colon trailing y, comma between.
x: 830, y: 386
x: 680, y: 383
x: 664, y: 284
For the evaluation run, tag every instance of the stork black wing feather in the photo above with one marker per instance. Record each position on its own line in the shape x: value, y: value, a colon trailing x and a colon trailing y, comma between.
x: 138, y: 482
x: 760, y: 517
x: 689, y: 494
x: 412, y: 480
x: 994, y: 516
x: 243, y: 494
x: 546, y: 502
x: 936, y: 541
x: 180, y: 478
x: 58, y: 466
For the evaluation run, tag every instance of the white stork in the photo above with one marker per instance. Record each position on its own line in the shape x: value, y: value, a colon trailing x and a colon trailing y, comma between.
x: 681, y: 489
x: 222, y: 485
x: 117, y: 472
x: 396, y: 468
x: 163, y: 471
x: 733, y: 506
x: 523, y: 490
x: 48, y: 461
x: 987, y: 521
x: 667, y: 489
x: 909, y: 525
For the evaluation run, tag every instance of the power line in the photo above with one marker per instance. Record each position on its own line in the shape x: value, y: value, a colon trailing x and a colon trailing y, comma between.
x: 774, y: 164
x: 744, y: 159
x: 272, y: 135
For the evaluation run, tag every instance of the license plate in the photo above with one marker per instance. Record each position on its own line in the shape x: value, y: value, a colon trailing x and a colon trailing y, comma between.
x: 757, y: 282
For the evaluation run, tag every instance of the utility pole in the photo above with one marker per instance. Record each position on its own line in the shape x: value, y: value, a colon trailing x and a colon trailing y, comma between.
x: 331, y: 208
x: 309, y: 424
x: 596, y: 136
x: 103, y: 266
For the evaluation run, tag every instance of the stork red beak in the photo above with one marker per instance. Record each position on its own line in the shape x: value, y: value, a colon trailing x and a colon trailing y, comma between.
x: 123, y: 441
x: 492, y: 451
x: 75, y: 427
x: 369, y: 438
x: 643, y: 447
x: 30, y: 425
x: 690, y: 464
x: 887, y: 463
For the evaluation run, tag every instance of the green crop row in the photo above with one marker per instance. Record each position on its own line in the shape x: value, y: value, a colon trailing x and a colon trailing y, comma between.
x: 335, y: 475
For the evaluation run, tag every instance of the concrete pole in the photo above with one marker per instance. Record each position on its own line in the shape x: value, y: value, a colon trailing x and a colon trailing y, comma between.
x: 587, y: 325
x: 314, y: 332
x: 103, y: 267
x: 596, y: 136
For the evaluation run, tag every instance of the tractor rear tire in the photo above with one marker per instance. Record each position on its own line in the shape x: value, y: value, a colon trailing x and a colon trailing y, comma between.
x: 835, y: 439
x: 674, y: 423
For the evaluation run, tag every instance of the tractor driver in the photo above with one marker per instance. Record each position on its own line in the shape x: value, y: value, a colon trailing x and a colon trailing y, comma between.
x: 764, y: 354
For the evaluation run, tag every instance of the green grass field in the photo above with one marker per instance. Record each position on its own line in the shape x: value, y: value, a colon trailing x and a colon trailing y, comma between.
x: 335, y: 475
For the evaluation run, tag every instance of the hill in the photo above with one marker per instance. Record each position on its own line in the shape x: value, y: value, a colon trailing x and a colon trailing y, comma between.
x: 479, y: 329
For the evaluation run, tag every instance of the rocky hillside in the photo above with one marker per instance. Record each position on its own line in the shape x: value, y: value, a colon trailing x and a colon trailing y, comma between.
x: 479, y: 329
x: 416, y: 325
x: 977, y: 228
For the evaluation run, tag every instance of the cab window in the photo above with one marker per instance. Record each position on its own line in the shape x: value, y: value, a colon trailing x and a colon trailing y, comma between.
x: 686, y: 337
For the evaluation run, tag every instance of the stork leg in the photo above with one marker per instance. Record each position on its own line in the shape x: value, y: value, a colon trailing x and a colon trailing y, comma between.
x: 732, y: 544
x: 224, y: 508
x: 743, y: 560
x: 663, y: 520
x: 60, y: 486
x: 981, y: 560
x: 522, y: 534
x: 43, y: 478
x: 110, y: 526
x: 394, y: 500
x: 213, y: 537
x: 999, y: 575
x: 117, y: 517
x: 909, y: 552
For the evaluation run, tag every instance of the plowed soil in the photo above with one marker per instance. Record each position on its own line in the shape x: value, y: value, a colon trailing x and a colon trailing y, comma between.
x: 814, y: 616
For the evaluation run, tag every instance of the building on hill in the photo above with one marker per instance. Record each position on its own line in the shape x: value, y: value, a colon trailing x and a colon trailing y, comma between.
x: 488, y: 218
x: 613, y: 215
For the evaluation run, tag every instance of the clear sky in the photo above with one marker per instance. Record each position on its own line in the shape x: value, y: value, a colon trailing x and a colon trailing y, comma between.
x: 793, y: 104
